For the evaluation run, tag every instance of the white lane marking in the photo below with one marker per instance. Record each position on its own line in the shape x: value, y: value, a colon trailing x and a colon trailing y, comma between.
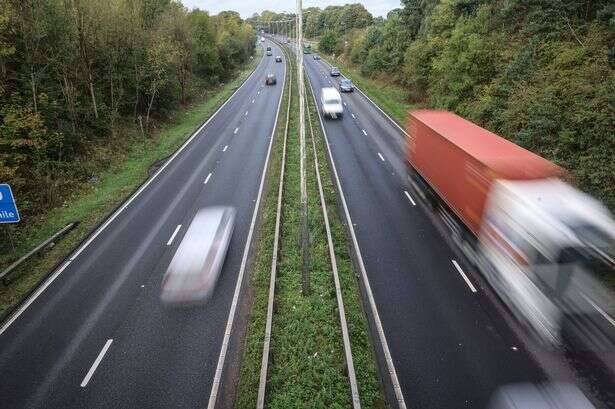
x: 225, y: 148
x: 207, y: 179
x: 399, y: 394
x: 381, y: 157
x: 246, y: 113
x: 99, y: 358
x: 353, y: 117
x: 215, y: 386
x: 235, y: 131
x: 409, y: 198
x: 364, y: 132
x: 345, y: 104
x: 24, y: 306
x: 600, y: 310
x: 252, y: 100
x: 465, y: 277
x: 179, y: 226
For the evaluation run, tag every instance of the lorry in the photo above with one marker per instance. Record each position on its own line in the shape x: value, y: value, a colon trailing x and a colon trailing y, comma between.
x: 540, y: 243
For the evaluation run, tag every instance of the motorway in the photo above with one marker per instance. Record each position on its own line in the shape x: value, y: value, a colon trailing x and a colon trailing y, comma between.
x: 95, y: 335
x: 448, y: 347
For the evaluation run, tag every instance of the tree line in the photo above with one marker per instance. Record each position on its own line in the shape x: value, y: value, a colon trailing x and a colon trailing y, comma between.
x: 539, y: 72
x: 78, y: 77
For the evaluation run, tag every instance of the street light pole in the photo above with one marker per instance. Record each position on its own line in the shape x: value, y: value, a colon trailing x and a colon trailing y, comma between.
x: 305, y: 239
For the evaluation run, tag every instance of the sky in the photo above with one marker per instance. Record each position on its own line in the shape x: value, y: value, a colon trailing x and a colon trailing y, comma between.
x: 248, y: 7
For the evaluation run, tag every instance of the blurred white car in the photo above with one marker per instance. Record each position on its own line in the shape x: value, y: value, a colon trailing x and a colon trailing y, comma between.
x: 331, y: 103
x: 194, y: 270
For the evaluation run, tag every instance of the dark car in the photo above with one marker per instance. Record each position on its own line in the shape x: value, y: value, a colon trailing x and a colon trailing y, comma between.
x: 278, y: 59
x: 268, y: 48
x: 335, y: 72
x: 270, y: 80
x: 316, y: 57
x: 346, y: 85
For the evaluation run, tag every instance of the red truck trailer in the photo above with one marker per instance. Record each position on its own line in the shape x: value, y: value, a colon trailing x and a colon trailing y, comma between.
x: 459, y: 160
x: 537, y: 240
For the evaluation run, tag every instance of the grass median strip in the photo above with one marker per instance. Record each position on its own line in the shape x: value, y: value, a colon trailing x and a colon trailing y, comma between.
x: 307, y: 365
x: 91, y: 205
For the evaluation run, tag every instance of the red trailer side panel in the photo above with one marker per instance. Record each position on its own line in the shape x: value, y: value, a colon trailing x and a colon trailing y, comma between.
x: 459, y: 159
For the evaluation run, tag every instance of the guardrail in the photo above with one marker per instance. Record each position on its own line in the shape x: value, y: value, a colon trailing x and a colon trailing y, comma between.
x: 5, y: 274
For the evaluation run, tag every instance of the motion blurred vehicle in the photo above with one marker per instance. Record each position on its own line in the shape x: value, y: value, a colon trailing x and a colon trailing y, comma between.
x: 278, y: 59
x: 540, y: 243
x: 331, y: 103
x: 195, y: 268
x: 346, y: 85
x: 271, y: 79
x: 546, y: 396
x: 269, y: 54
x: 335, y: 72
x: 316, y: 57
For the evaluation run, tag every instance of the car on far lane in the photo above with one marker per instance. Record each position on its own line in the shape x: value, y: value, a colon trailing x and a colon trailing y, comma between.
x: 269, y: 54
x: 270, y: 80
x: 316, y: 57
x: 196, y: 265
x: 335, y: 72
x: 346, y: 85
x: 278, y: 58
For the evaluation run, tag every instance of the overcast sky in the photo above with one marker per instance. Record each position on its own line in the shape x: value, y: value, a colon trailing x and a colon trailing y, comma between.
x: 247, y: 7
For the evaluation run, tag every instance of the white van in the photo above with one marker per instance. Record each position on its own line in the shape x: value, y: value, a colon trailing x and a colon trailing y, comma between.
x: 331, y: 103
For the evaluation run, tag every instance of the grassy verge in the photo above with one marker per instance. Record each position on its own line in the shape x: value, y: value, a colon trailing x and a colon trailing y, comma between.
x: 392, y: 98
x: 91, y: 205
x: 307, y: 366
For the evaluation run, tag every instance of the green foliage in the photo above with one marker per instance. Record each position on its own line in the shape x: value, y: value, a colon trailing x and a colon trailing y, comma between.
x: 540, y: 73
x: 74, y: 73
x: 328, y: 43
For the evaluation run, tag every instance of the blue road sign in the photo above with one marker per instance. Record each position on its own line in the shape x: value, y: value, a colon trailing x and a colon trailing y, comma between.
x: 8, y: 208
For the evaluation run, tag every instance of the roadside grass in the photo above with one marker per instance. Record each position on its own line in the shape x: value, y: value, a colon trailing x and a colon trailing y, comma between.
x: 363, y: 352
x: 307, y: 367
x: 93, y: 204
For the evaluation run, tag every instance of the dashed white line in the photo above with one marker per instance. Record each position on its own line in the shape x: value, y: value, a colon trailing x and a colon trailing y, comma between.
x: 99, y: 358
x: 207, y: 179
x: 179, y: 226
x: 246, y: 113
x: 353, y: 117
x: 225, y: 148
x: 465, y: 277
x: 344, y: 102
x: 252, y: 100
x: 381, y: 157
x: 364, y: 132
x: 235, y: 131
x: 409, y: 198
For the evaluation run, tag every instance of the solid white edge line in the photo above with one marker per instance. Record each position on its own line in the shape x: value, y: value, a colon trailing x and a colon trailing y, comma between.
x: 409, y: 198
x: 372, y: 303
x: 465, y: 277
x: 99, y: 358
x: 225, y: 148
x: 213, y: 396
x: 354, y: 388
x: 111, y: 218
x: 381, y: 157
x: 207, y: 179
x: 179, y: 226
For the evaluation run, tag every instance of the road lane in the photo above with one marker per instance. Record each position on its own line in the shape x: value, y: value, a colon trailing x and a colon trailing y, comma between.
x: 448, y: 348
x: 160, y: 357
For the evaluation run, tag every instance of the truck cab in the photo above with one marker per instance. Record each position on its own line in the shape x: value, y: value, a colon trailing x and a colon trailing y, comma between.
x: 544, y: 245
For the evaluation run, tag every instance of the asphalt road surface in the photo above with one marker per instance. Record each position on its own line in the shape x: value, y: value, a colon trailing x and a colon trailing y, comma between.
x: 449, y: 349
x: 98, y: 335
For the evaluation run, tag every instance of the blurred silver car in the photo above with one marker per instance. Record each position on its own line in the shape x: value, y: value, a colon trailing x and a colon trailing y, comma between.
x: 194, y: 270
